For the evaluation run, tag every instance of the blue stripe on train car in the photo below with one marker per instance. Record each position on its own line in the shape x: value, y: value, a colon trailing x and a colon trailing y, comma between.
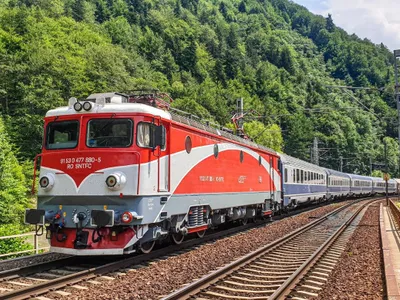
x: 363, y: 190
x: 338, y: 189
x: 302, y: 190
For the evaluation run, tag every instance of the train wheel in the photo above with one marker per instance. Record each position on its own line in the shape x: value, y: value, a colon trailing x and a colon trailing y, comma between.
x: 200, y: 234
x: 177, y: 238
x: 147, y: 247
x: 244, y: 221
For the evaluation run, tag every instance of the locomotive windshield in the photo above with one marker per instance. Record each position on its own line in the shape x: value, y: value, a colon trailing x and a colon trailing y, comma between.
x: 62, y: 135
x: 109, y: 133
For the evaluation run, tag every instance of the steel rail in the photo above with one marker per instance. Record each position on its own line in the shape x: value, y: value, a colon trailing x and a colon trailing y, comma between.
x: 40, y: 267
x: 285, y: 289
x: 71, y: 279
x: 67, y: 280
x: 206, y: 281
x: 43, y: 266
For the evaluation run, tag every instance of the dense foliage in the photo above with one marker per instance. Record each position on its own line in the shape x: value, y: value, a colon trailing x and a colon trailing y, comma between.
x: 12, y: 181
x: 283, y: 60
x: 13, y: 200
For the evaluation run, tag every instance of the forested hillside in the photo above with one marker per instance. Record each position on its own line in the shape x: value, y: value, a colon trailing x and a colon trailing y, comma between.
x: 279, y: 57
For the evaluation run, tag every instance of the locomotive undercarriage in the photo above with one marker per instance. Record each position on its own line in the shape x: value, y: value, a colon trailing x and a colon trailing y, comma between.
x: 84, y: 230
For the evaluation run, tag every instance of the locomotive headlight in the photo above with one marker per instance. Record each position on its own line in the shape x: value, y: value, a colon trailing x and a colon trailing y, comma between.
x: 116, y: 181
x: 111, y: 181
x: 46, y: 182
x: 87, y: 106
x: 78, y: 106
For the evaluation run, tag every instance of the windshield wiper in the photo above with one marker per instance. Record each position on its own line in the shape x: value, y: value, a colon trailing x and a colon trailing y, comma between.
x: 108, y: 123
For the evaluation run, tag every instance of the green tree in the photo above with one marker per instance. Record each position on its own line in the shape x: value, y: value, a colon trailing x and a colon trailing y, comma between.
x: 13, y: 200
x: 269, y: 136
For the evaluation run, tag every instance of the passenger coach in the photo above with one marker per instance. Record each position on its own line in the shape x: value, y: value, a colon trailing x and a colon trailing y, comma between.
x: 338, y: 184
x: 303, y: 182
x: 360, y: 185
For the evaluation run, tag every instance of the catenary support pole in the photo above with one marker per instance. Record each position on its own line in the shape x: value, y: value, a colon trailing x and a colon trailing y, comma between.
x: 386, y: 174
x: 396, y: 75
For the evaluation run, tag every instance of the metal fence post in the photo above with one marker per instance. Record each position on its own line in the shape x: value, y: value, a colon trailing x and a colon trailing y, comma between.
x: 36, y: 243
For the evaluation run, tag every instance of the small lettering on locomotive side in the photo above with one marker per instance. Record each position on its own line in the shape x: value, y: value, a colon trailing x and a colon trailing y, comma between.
x: 211, y: 178
x: 242, y: 179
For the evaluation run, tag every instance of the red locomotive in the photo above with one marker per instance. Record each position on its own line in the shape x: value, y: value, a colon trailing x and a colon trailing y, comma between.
x: 119, y: 172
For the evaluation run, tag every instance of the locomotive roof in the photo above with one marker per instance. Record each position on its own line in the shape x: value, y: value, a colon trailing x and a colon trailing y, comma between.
x: 148, y: 109
x: 220, y: 132
x: 112, y: 108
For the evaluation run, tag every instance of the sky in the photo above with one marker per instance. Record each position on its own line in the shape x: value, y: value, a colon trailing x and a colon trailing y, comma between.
x: 376, y: 20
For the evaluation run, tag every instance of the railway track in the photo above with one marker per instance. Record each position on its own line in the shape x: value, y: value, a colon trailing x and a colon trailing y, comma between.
x: 293, y: 267
x: 39, y: 279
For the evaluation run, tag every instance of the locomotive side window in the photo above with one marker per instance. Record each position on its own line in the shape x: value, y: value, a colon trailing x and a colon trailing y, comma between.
x: 286, y: 175
x: 62, y: 135
x: 109, y: 133
x: 146, y: 135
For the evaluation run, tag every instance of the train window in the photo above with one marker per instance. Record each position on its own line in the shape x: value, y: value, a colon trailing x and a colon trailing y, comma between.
x: 109, y: 133
x: 294, y: 176
x: 62, y: 135
x: 286, y: 175
x: 241, y: 156
x: 259, y: 160
x: 146, y: 135
x: 188, y: 144
x: 301, y: 176
x: 297, y: 175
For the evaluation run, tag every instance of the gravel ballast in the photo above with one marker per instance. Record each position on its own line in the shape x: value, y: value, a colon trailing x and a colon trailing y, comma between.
x: 29, y: 260
x: 359, y: 274
x: 163, y: 276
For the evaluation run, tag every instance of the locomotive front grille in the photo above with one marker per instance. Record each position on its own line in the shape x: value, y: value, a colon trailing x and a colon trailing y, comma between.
x: 197, y: 215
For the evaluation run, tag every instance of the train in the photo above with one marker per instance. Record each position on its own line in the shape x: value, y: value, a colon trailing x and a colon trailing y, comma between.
x: 120, y: 172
